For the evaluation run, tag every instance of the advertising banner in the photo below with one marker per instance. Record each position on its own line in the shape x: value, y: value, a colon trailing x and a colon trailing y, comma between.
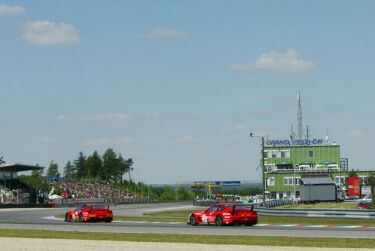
x: 354, y: 186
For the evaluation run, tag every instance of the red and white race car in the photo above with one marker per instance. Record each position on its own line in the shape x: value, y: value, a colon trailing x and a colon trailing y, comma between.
x: 225, y: 214
x: 86, y: 213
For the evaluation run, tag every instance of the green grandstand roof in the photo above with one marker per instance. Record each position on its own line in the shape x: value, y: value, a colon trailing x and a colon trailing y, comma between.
x: 19, y: 168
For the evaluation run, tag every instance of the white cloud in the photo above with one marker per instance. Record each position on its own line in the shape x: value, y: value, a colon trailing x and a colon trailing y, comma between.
x: 154, y: 115
x: 355, y: 134
x: 239, y: 127
x: 62, y: 118
x: 164, y: 32
x: 15, y: 10
x: 46, y: 33
x: 111, y: 117
x: 286, y: 62
x: 105, y: 141
x: 98, y: 142
x: 48, y: 139
x: 125, y: 140
x: 187, y: 139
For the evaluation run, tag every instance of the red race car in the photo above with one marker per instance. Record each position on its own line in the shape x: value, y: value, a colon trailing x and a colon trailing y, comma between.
x: 225, y: 214
x: 86, y: 213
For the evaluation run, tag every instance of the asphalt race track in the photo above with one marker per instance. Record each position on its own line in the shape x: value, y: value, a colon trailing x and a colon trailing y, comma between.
x: 44, y: 219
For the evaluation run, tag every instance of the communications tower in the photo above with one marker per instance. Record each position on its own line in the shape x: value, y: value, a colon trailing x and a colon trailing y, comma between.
x: 299, y: 116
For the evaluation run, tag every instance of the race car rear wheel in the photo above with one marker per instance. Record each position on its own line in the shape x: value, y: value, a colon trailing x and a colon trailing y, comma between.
x: 219, y: 221
x: 192, y: 220
x: 108, y: 220
x: 251, y: 223
x: 67, y: 218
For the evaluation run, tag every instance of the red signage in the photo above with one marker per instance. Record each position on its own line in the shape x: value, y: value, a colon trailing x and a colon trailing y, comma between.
x: 354, y: 186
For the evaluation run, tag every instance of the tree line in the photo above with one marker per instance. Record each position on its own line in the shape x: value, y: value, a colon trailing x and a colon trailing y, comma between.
x: 110, y: 167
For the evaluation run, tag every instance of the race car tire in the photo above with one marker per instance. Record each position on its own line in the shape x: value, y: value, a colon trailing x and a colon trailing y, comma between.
x: 81, y: 218
x: 67, y: 218
x: 193, y: 220
x: 108, y: 220
x: 219, y: 221
x: 251, y: 223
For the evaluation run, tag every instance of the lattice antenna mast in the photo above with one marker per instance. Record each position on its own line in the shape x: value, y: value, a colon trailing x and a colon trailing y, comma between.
x: 292, y: 133
x: 299, y: 116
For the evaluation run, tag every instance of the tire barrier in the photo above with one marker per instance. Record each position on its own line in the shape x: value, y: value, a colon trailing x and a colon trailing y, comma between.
x: 50, y: 205
x: 326, y: 213
x: 204, y: 203
x: 276, y: 203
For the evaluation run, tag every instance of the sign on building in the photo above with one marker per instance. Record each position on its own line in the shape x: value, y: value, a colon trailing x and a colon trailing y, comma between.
x: 354, y: 186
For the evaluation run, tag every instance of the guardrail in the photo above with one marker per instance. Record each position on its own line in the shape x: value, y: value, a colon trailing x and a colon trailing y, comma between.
x: 327, y: 213
x: 268, y: 203
x: 276, y: 203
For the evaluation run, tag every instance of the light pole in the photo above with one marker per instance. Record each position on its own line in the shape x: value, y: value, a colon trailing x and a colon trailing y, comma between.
x: 262, y: 164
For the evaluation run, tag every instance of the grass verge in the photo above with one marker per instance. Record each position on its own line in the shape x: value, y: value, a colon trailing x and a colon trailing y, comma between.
x: 201, y: 239
x: 322, y: 205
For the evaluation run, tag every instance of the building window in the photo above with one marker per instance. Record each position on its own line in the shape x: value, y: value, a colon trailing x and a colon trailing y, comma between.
x: 340, y: 180
x: 270, y: 168
x: 296, y: 180
x: 274, y: 154
x: 311, y: 154
x: 286, y: 181
x: 291, y: 181
x: 363, y: 180
x: 285, y: 154
x: 271, y: 181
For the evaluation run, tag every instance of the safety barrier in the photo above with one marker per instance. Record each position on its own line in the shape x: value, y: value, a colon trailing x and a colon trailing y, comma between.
x: 268, y: 203
x: 28, y: 205
x: 276, y: 203
x: 327, y: 213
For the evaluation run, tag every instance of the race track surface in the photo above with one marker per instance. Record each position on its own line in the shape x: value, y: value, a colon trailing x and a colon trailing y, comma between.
x: 44, y: 219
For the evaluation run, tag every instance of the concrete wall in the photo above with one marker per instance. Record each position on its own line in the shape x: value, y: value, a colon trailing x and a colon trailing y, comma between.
x: 323, y: 192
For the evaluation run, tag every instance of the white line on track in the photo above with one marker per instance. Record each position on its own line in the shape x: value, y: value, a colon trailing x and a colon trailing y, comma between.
x: 52, y: 218
x: 167, y: 208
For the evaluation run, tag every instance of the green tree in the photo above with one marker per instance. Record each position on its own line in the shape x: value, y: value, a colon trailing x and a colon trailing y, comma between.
x: 94, y: 165
x: 353, y: 173
x: 69, y: 170
x: 168, y: 194
x: 183, y: 194
x: 80, y: 166
x: 130, y: 163
x: 111, y: 166
x: 2, y: 160
x: 125, y: 167
x: 34, y: 181
x: 37, y: 172
x: 370, y: 181
x: 53, y: 169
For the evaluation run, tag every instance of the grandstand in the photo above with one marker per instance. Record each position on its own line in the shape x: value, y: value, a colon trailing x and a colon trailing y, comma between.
x: 12, y: 190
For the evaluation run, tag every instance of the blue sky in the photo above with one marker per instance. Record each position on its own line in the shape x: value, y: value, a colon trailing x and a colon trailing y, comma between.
x: 178, y: 85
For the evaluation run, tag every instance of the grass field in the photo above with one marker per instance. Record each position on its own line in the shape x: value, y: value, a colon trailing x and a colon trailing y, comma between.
x: 323, y: 205
x: 202, y: 239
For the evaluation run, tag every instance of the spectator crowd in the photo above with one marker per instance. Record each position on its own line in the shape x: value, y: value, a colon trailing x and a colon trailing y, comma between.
x: 87, y: 190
